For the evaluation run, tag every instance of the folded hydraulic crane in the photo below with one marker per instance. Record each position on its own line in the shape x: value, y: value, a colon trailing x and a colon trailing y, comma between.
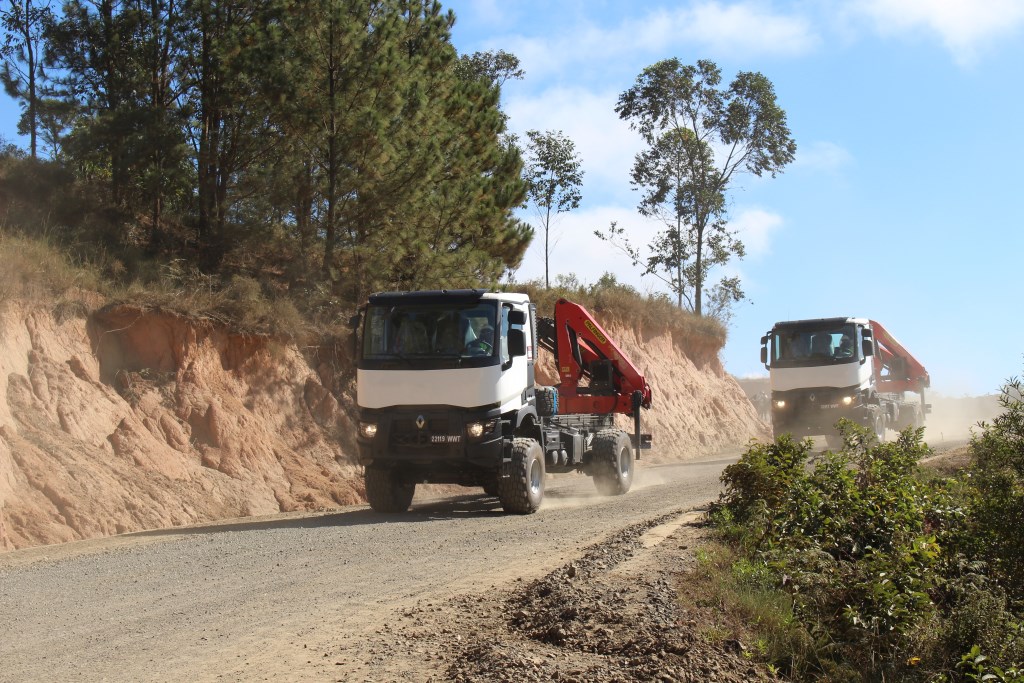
x: 584, y: 351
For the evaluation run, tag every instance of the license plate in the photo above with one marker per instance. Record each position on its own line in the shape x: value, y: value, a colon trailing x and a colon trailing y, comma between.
x: 445, y: 438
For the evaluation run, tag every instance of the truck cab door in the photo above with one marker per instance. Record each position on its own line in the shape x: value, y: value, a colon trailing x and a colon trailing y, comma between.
x: 516, y: 364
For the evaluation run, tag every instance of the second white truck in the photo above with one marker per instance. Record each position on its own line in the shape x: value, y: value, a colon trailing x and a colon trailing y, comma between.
x: 825, y: 369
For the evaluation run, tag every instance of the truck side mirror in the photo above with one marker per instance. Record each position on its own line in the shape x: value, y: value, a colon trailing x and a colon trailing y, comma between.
x: 516, y: 342
x: 764, y: 355
x: 869, y: 349
x: 516, y: 317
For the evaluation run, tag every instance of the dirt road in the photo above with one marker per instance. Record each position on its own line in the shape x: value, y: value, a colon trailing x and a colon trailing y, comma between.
x: 311, y: 597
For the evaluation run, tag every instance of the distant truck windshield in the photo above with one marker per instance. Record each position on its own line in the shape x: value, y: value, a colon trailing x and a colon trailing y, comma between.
x: 808, y: 346
x: 440, y: 331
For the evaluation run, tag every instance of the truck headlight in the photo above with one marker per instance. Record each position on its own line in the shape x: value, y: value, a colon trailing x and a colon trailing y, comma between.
x: 847, y: 400
x: 475, y: 430
x: 780, y: 404
x: 367, y: 430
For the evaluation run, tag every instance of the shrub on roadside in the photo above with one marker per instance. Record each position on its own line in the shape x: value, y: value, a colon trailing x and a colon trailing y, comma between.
x: 893, y: 575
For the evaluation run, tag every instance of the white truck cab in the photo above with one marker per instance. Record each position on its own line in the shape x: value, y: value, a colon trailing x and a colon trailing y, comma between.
x: 825, y: 369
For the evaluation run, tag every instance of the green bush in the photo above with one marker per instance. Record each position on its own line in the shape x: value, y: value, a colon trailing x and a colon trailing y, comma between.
x: 998, y: 477
x: 893, y: 575
x: 846, y: 538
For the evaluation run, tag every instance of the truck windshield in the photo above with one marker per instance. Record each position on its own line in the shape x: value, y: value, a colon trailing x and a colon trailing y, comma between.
x: 806, y: 346
x: 438, y: 331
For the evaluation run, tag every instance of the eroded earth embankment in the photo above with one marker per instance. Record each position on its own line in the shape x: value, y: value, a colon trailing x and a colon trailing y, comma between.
x: 121, y: 420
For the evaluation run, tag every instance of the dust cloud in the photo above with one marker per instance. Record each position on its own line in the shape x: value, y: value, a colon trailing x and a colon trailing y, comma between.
x: 953, y: 419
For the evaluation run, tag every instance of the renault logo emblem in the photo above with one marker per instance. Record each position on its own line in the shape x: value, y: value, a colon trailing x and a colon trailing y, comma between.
x: 813, y: 398
x: 421, y: 422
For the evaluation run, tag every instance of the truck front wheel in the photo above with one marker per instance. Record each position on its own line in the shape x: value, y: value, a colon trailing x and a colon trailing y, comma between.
x: 612, y: 465
x: 385, y: 492
x: 521, y: 483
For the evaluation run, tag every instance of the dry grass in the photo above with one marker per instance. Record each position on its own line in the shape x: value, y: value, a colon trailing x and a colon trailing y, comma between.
x: 240, y: 303
x: 624, y: 305
x: 36, y: 271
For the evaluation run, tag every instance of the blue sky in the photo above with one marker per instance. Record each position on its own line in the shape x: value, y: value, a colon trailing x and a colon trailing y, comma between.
x: 902, y: 204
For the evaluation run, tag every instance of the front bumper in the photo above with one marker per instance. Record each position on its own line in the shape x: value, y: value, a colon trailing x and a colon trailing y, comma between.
x: 814, y: 412
x: 432, y: 444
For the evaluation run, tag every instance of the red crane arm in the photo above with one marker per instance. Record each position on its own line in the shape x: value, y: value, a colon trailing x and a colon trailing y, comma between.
x: 584, y: 348
x: 895, y: 368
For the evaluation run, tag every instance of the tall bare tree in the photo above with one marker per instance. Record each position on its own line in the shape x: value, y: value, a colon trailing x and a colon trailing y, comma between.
x: 554, y: 179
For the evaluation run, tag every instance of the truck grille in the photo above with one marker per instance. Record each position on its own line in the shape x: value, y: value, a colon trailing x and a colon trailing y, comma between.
x: 405, y: 433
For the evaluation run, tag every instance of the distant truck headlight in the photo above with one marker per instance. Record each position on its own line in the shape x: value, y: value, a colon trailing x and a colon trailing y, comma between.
x: 847, y: 400
x: 780, y: 404
x: 367, y: 430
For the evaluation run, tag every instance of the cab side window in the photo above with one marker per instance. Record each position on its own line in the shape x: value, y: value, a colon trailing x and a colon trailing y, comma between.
x: 503, y: 341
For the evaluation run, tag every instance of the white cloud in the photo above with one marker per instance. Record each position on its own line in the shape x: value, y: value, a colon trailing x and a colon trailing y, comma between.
x: 822, y: 156
x: 965, y: 28
x: 575, y: 249
x: 745, y: 28
x: 755, y: 227
x: 484, y: 11
x: 604, y: 143
x: 738, y: 30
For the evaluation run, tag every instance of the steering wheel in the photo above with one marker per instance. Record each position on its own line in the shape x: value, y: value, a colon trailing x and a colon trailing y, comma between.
x: 479, y: 347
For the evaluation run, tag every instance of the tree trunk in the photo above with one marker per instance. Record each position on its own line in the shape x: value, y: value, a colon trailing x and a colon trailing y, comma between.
x: 547, y: 228
x: 31, y: 56
x: 699, y: 278
x: 330, y: 229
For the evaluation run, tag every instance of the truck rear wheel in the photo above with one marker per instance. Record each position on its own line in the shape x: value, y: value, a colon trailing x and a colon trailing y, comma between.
x: 385, y: 492
x: 878, y: 426
x: 612, y: 465
x: 521, y: 484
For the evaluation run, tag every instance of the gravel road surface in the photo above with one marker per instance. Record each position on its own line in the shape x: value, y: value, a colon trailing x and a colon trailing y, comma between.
x: 298, y: 597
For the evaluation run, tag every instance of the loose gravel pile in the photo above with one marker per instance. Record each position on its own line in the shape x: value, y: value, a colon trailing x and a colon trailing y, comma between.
x: 599, y: 619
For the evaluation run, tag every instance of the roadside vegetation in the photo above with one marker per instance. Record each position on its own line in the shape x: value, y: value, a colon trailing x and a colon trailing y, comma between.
x: 863, y: 565
x: 43, y: 267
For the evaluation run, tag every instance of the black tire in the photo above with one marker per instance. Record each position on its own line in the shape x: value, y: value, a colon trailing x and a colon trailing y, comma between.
x: 385, y: 492
x: 834, y: 442
x: 546, y: 401
x: 612, y: 464
x: 521, y: 483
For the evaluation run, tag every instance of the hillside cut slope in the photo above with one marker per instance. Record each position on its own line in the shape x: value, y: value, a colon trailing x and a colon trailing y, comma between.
x: 122, y: 420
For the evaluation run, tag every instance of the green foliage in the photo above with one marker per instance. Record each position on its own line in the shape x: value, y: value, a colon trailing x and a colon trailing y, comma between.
x: 22, y: 67
x: 975, y: 666
x: 998, y: 510
x: 494, y: 67
x: 337, y: 143
x: 893, y: 575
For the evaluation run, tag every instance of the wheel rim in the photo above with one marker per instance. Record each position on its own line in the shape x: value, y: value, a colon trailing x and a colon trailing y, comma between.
x: 536, y: 476
x: 625, y: 462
